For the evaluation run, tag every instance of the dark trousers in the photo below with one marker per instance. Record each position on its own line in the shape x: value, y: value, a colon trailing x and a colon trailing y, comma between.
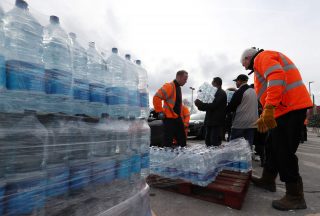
x: 247, y: 133
x: 174, y: 128
x: 214, y: 135
x: 282, y: 146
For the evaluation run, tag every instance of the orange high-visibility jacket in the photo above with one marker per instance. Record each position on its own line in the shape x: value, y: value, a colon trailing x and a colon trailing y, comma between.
x: 167, y: 94
x: 278, y: 82
x: 185, y: 115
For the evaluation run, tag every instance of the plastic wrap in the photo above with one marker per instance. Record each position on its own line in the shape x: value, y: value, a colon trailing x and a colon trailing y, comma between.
x: 206, y: 93
x: 200, y: 164
x: 63, y: 150
x: 61, y: 165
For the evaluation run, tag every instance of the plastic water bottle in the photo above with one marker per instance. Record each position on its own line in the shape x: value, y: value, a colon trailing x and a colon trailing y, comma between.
x: 143, y: 90
x: 2, y: 54
x: 117, y: 94
x: 56, y: 155
x: 24, y: 66
x: 26, y: 179
x: 57, y: 59
x: 145, y: 133
x: 102, y: 151
x: 80, y: 84
x: 132, y: 81
x: 206, y: 93
x: 96, y: 77
x: 79, y: 141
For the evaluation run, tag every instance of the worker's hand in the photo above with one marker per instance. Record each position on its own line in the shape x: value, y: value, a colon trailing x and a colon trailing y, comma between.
x: 161, y: 116
x: 197, y: 102
x: 266, y: 120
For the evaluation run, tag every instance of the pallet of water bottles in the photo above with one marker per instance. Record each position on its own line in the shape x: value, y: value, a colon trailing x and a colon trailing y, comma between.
x: 54, y: 164
x: 217, y: 174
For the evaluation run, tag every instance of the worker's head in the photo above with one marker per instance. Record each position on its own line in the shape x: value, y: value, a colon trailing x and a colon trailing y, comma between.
x: 217, y: 82
x: 247, y: 56
x: 241, y: 79
x: 182, y: 77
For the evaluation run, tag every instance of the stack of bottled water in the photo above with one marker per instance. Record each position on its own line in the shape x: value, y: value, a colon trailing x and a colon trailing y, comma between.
x: 54, y: 161
x: 206, y: 93
x: 199, y: 164
x: 229, y: 95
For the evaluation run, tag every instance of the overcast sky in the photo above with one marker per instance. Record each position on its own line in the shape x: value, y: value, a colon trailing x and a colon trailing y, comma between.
x: 204, y: 37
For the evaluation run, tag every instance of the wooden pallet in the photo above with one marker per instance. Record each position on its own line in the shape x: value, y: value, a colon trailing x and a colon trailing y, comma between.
x: 228, y: 189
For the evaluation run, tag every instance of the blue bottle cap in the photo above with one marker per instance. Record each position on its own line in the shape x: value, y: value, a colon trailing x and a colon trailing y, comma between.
x: 54, y: 19
x: 21, y: 4
x: 114, y: 50
x: 73, y: 35
x: 128, y: 56
x: 138, y: 62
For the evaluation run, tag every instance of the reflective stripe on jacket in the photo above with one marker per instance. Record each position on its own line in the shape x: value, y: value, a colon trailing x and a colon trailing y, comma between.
x: 278, y: 82
x: 167, y: 94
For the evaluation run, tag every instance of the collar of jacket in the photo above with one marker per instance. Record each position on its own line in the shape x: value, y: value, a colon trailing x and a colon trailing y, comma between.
x: 250, y: 67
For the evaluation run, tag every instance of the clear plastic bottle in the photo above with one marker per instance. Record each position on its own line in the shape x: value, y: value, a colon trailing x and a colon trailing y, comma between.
x: 24, y: 66
x: 56, y: 155
x: 102, y: 151
x: 96, y: 77
x: 25, y: 142
x: 2, y: 54
x: 145, y: 133
x: 143, y: 90
x: 117, y: 94
x: 57, y: 59
x: 132, y: 81
x: 80, y: 83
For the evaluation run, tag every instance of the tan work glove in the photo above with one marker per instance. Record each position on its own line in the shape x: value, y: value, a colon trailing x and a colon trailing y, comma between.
x: 266, y: 120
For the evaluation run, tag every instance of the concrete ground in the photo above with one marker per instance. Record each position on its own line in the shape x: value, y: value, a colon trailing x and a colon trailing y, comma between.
x: 257, y: 201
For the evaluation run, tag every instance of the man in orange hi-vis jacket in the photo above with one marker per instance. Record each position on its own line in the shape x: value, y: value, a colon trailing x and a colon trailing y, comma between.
x: 170, y: 112
x: 285, y: 101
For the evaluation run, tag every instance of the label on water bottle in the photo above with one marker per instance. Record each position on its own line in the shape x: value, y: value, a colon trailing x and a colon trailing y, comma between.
x: 2, y: 75
x: 80, y: 89
x: 133, y: 98
x: 123, y: 171
x: 58, y: 82
x: 79, y: 175
x: 25, y: 76
x: 103, y: 171
x: 97, y: 93
x: 58, y: 181
x: 144, y: 99
x: 25, y: 195
x: 145, y: 161
x: 2, y: 190
x: 136, y: 164
x: 117, y: 96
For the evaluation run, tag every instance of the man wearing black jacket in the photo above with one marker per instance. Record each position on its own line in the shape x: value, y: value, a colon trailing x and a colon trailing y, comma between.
x: 215, y: 114
x: 244, y: 105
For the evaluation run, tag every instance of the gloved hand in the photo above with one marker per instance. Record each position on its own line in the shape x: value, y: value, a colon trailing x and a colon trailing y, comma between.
x: 161, y: 116
x: 266, y: 120
x: 197, y: 102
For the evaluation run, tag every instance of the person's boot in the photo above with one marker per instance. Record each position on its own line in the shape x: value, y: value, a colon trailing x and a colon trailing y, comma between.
x: 267, y: 181
x: 294, y: 198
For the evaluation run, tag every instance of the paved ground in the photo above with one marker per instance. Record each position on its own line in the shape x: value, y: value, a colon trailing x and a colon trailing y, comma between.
x: 258, y: 201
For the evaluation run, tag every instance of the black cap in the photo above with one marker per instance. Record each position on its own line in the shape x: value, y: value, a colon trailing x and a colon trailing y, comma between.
x: 54, y: 19
x: 114, y: 50
x: 242, y: 77
x: 21, y: 4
